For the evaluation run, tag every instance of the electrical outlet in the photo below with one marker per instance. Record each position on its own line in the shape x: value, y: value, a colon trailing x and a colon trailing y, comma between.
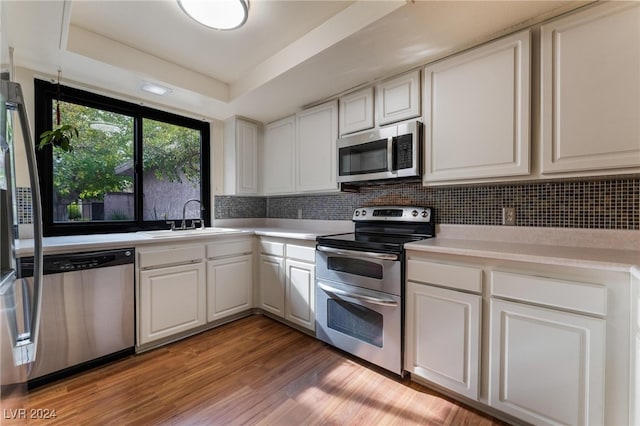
x: 509, y: 216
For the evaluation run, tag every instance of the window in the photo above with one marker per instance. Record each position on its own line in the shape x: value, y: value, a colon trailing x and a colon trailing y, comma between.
x: 131, y: 168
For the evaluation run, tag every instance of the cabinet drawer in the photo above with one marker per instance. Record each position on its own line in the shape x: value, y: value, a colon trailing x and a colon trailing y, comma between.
x: 454, y: 276
x: 272, y: 247
x: 165, y: 256
x: 229, y: 248
x: 308, y: 254
x: 572, y: 295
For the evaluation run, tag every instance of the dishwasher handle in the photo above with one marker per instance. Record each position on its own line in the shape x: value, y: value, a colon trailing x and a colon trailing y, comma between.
x: 57, y: 264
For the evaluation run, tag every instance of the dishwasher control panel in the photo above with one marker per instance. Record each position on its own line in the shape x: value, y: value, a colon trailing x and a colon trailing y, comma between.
x: 60, y: 263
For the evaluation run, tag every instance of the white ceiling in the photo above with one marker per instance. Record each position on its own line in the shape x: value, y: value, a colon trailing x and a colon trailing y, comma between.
x: 288, y: 54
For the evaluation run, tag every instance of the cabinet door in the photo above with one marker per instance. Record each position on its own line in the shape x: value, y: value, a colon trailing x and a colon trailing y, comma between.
x: 317, y: 129
x: 247, y: 161
x: 279, y: 157
x: 476, y: 112
x: 546, y: 366
x: 399, y: 98
x: 300, y: 294
x: 590, y: 63
x: 229, y: 286
x: 443, y: 337
x: 240, y: 157
x: 356, y: 111
x: 172, y: 300
x: 272, y: 284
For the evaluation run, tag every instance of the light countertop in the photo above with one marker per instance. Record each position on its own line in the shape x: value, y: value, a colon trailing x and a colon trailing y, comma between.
x: 612, y: 250
x: 75, y: 243
x: 79, y: 243
x: 550, y: 251
x: 553, y: 255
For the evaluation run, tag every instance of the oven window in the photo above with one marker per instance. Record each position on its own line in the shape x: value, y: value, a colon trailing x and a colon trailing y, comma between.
x: 356, y: 321
x: 355, y: 267
x: 370, y: 157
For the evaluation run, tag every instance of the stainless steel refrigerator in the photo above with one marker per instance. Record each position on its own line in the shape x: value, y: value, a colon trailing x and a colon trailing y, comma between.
x: 20, y: 303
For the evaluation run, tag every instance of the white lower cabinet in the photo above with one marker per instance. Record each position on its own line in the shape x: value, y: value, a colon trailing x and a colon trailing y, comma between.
x: 443, y: 337
x: 443, y: 324
x: 538, y: 343
x: 287, y: 280
x: 172, y: 300
x: 183, y: 286
x: 272, y: 284
x: 301, y: 294
x: 547, y: 366
x: 229, y: 286
x: 229, y: 277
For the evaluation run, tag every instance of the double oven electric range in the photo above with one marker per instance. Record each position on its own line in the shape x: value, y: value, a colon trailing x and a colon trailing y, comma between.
x: 360, y: 282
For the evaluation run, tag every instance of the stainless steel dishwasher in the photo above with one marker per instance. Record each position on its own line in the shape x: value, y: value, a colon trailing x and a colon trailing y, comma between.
x: 87, y: 311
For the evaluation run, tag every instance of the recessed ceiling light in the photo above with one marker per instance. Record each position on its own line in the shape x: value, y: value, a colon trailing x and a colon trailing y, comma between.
x: 217, y: 14
x: 156, y: 89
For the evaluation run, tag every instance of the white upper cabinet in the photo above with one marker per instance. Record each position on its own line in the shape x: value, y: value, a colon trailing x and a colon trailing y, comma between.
x: 279, y: 156
x: 317, y: 132
x: 240, y: 157
x: 399, y: 98
x: 356, y: 111
x: 476, y: 112
x: 590, y: 90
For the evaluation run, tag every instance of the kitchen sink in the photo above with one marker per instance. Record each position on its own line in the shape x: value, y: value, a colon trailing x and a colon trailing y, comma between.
x: 166, y: 233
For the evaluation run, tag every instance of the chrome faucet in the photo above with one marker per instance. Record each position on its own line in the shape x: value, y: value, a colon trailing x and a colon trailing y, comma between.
x: 183, y: 224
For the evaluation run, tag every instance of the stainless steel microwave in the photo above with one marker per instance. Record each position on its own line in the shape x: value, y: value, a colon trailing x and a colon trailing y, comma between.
x: 386, y: 153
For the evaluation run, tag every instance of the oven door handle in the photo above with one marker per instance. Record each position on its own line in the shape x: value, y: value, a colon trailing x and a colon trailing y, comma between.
x: 354, y: 253
x: 358, y: 296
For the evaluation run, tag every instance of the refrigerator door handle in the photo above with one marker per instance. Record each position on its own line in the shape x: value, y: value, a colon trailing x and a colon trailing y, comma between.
x: 25, y: 344
x: 7, y: 279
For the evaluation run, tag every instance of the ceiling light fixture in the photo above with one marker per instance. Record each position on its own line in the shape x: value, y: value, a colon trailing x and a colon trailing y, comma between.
x: 217, y: 14
x: 156, y: 89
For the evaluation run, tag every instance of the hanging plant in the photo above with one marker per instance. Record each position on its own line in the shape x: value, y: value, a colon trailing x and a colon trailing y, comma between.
x: 61, y: 134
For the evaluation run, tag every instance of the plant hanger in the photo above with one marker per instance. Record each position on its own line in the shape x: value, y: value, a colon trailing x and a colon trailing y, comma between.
x: 61, y: 134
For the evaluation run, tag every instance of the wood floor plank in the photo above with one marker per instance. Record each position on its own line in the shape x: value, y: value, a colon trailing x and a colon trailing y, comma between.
x: 254, y: 371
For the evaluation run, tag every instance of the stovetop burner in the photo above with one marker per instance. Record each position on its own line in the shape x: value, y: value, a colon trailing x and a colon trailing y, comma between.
x: 384, y: 229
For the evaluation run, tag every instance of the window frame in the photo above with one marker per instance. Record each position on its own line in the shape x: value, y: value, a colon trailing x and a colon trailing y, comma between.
x: 46, y: 94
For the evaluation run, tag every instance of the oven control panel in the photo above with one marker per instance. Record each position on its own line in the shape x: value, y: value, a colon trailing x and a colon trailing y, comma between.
x: 392, y: 213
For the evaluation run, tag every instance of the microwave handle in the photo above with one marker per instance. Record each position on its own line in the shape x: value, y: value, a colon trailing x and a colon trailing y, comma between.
x: 390, y: 154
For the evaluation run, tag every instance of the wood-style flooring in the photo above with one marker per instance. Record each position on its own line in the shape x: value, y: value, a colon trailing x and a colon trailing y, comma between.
x: 252, y: 371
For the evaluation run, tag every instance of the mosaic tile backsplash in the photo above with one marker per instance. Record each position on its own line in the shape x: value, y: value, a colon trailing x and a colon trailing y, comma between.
x: 23, y: 204
x: 593, y: 203
x: 229, y: 207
